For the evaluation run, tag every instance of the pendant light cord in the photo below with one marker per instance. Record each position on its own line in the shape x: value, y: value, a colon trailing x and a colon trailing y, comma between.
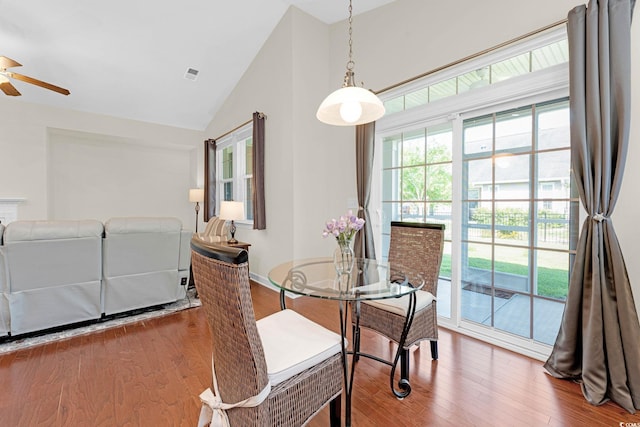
x: 348, y: 77
x: 350, y: 64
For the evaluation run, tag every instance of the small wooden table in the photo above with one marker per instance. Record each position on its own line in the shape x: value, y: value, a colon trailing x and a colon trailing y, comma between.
x: 239, y: 244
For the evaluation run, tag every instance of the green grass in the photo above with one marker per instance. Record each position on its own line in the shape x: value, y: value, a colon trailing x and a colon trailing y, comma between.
x: 552, y: 282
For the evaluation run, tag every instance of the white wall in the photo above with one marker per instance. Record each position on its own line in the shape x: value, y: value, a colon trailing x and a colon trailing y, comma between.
x: 309, y: 171
x: 33, y: 165
x: 310, y: 166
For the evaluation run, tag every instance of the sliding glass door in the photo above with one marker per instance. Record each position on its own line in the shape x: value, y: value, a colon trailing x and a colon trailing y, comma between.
x: 519, y: 219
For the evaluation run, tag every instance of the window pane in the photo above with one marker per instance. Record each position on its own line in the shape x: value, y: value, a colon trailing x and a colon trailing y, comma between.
x: 390, y: 185
x: 442, y: 89
x: 553, y: 125
x: 227, y: 163
x: 512, y: 177
x: 414, y: 99
x: 547, y: 56
x: 445, y: 266
x: 511, y: 268
x: 552, y: 273
x: 439, y: 182
x: 512, y: 313
x: 478, y: 135
x: 249, y: 156
x: 477, y: 223
x: 248, y: 199
x: 509, y: 68
x: 391, y: 151
x: 479, y: 184
x: 554, y: 174
x: 390, y: 212
x: 227, y: 191
x: 547, y: 316
x: 440, y: 213
x: 413, y: 183
x: 413, y: 148
x: 394, y: 105
x: 554, y: 229
x: 513, y: 130
x: 512, y: 221
x: 439, y: 143
x: 413, y: 212
x: 473, y: 79
x: 476, y: 282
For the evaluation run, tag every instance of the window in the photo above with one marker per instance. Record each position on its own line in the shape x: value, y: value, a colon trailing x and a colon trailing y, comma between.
x: 553, y: 53
x: 235, y: 168
x: 517, y: 244
x: 492, y: 162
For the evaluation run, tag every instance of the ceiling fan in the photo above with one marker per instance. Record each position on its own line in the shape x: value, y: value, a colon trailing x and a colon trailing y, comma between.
x: 9, y: 89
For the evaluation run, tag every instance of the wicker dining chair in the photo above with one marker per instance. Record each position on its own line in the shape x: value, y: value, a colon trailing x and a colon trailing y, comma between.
x: 286, y: 366
x: 416, y: 249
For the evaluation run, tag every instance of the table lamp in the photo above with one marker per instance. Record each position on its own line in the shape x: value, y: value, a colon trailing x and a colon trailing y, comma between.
x: 196, y: 195
x: 234, y: 211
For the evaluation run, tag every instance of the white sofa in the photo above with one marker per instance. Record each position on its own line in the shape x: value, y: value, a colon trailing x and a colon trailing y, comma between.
x: 54, y: 272
x: 145, y: 263
x: 4, y: 289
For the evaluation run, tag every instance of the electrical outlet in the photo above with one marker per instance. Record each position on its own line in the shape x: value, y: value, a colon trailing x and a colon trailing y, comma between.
x: 183, y: 281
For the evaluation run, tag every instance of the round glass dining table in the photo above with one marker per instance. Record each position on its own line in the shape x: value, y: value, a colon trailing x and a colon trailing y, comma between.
x: 368, y: 280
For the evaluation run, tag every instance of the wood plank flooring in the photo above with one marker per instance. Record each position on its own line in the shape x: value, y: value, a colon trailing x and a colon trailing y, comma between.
x: 151, y: 373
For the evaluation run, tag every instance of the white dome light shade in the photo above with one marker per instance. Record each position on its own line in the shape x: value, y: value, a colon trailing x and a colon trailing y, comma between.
x: 340, y: 108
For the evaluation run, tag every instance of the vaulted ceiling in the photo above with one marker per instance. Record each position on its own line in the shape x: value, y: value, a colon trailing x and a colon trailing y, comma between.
x: 128, y: 58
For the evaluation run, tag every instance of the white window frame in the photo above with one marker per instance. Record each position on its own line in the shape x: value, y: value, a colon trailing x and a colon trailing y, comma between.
x: 543, y: 85
x: 237, y: 140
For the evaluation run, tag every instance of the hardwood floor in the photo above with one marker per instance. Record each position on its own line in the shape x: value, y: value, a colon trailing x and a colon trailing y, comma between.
x: 151, y: 373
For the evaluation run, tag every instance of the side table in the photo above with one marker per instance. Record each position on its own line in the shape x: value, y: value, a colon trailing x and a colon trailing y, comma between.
x: 241, y: 245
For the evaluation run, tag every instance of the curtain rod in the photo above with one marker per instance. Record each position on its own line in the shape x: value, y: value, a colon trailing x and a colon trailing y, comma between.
x: 474, y: 55
x: 261, y: 115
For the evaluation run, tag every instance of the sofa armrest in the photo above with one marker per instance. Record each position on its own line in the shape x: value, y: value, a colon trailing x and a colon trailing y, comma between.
x: 184, y: 261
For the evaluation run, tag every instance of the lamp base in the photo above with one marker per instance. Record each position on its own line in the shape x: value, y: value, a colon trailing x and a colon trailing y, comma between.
x: 232, y: 229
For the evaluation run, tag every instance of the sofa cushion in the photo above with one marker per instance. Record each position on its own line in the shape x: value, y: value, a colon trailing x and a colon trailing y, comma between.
x: 128, y: 225
x: 24, y: 231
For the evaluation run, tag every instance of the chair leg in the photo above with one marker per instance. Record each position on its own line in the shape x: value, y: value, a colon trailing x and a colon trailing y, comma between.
x: 335, y: 411
x: 434, y: 350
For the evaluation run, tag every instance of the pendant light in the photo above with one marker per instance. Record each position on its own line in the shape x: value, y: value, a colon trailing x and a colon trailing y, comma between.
x: 350, y: 105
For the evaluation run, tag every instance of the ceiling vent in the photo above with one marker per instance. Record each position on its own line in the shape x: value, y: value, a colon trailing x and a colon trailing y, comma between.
x: 191, y: 74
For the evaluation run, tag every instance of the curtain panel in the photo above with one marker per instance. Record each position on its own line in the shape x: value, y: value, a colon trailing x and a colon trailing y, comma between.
x: 599, y: 339
x: 209, y: 179
x: 365, y: 145
x: 259, y: 210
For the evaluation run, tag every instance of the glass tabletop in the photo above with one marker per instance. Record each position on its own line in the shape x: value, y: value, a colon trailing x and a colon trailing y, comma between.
x: 317, y: 277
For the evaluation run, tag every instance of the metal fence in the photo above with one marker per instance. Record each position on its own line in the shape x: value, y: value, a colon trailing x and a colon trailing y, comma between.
x: 550, y: 227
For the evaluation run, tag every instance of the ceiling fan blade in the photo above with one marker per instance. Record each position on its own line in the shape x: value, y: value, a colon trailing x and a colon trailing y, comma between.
x: 40, y: 83
x: 8, y: 62
x: 9, y: 89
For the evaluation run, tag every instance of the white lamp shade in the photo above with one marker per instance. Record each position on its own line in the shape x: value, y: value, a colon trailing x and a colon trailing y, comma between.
x: 196, y: 195
x: 232, y: 210
x: 341, y: 107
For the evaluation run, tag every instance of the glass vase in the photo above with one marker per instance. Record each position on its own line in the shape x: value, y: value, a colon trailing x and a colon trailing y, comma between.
x: 343, y: 257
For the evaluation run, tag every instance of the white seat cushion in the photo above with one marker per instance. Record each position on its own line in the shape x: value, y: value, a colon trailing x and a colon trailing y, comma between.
x: 399, y: 305
x: 292, y: 343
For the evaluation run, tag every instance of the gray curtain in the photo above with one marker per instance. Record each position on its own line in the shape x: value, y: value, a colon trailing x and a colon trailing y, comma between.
x: 209, y: 179
x: 599, y: 339
x: 259, y: 211
x: 365, y: 140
